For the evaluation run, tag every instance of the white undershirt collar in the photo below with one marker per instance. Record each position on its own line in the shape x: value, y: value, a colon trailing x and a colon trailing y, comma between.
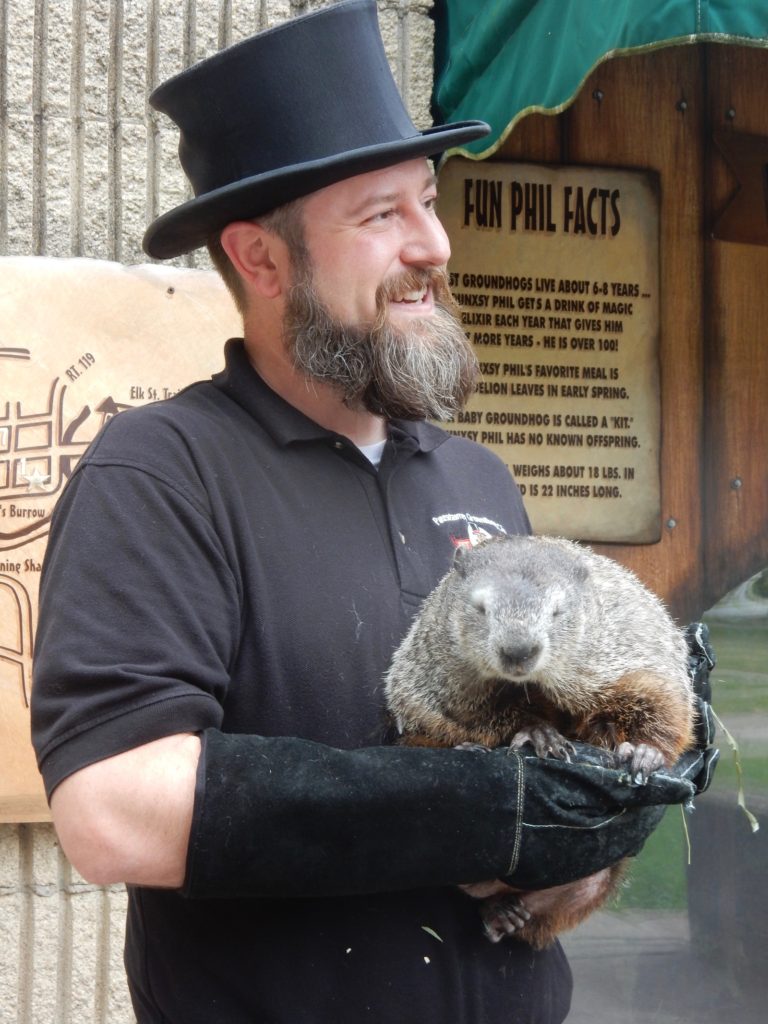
x: 373, y: 452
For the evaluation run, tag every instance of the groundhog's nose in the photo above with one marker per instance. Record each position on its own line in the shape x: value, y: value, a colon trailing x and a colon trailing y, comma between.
x: 518, y: 658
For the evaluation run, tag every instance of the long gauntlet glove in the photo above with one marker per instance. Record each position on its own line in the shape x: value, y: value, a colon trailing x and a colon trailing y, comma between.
x: 288, y: 817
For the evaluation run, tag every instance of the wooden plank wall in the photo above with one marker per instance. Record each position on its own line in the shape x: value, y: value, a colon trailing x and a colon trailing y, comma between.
x: 658, y: 110
x: 736, y: 354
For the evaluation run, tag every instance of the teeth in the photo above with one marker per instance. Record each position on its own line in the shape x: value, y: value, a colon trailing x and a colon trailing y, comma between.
x: 412, y: 296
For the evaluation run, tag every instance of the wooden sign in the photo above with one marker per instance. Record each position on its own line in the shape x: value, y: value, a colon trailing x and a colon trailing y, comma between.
x: 745, y: 217
x: 81, y: 340
x: 556, y: 270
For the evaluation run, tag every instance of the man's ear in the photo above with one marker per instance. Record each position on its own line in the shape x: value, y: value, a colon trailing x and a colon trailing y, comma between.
x: 259, y: 256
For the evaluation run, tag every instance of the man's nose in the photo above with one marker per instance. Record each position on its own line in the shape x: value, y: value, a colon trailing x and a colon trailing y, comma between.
x: 426, y: 243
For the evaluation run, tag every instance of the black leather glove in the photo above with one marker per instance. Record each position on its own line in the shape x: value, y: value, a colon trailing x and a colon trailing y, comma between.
x: 587, y: 814
x: 288, y: 817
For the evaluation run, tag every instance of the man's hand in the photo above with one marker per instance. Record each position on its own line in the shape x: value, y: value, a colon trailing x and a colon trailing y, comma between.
x: 582, y: 815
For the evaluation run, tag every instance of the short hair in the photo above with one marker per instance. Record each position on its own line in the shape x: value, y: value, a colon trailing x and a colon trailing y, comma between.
x: 285, y: 221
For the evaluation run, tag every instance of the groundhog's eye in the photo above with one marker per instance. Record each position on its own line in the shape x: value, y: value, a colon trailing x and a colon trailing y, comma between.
x: 557, y: 610
x: 478, y: 601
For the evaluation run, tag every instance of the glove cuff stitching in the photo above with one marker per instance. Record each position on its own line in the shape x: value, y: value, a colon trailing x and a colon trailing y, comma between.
x: 519, y: 811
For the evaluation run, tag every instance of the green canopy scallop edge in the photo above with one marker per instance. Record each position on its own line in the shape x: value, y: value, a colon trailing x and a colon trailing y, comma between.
x: 498, y: 60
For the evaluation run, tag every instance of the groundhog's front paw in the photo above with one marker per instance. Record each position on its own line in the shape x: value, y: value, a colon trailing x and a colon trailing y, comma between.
x: 643, y: 760
x: 545, y: 740
x: 503, y: 915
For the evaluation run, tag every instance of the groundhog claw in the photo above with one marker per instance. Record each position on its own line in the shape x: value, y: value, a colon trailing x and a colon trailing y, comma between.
x: 545, y: 740
x: 503, y: 916
x: 642, y: 758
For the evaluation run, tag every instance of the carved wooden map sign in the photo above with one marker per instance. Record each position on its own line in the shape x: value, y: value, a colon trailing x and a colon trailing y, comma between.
x: 556, y: 272
x: 81, y: 340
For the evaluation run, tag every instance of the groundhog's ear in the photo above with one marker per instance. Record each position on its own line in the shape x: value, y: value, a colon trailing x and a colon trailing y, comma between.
x: 460, y: 556
x: 581, y: 572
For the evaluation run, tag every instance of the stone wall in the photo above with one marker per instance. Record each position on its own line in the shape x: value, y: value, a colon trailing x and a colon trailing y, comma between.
x: 84, y: 166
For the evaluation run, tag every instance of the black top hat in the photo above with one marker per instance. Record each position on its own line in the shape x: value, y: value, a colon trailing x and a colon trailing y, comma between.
x: 282, y: 114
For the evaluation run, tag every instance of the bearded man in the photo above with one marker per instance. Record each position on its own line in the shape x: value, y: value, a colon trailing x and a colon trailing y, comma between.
x: 229, y: 572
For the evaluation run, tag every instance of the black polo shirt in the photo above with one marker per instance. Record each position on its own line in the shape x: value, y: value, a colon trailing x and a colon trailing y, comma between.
x: 221, y: 560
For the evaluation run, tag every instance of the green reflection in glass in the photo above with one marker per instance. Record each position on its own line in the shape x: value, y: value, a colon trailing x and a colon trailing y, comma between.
x: 739, y: 633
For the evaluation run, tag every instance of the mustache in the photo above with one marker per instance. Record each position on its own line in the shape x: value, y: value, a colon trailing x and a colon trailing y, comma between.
x: 413, y: 280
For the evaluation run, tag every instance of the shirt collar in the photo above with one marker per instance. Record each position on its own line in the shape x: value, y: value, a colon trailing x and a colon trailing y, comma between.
x: 283, y: 422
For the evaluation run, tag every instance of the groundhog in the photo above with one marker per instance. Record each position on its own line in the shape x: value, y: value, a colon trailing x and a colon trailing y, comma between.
x: 539, y: 640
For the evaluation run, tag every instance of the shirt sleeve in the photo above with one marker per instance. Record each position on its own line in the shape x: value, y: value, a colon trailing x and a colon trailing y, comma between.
x: 139, y: 619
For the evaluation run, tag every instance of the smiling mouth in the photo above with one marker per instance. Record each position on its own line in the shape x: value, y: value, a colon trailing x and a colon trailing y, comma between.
x: 412, y: 298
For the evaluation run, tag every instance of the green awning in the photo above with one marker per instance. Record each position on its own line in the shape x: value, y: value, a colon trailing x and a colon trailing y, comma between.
x: 498, y: 60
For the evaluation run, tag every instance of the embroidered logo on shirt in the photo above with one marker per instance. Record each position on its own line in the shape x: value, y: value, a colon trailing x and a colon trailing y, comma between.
x: 469, y: 530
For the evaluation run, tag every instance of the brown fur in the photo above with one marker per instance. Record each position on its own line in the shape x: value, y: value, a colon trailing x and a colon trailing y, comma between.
x: 530, y: 631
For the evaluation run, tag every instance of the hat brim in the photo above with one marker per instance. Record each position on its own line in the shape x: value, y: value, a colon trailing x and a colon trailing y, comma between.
x: 188, y: 226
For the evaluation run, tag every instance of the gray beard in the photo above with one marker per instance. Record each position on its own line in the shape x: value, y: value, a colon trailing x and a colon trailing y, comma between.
x: 426, y: 371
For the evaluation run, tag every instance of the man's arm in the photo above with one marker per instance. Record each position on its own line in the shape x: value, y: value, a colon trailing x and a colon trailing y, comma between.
x: 127, y: 818
x: 283, y: 816
x: 287, y: 817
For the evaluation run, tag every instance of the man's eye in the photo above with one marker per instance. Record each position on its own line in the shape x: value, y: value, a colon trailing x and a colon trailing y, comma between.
x: 430, y: 203
x: 381, y: 215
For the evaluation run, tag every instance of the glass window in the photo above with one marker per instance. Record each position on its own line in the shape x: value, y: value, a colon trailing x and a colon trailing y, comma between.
x: 686, y: 939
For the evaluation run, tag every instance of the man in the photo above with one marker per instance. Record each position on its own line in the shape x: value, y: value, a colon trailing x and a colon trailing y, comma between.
x: 229, y: 572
